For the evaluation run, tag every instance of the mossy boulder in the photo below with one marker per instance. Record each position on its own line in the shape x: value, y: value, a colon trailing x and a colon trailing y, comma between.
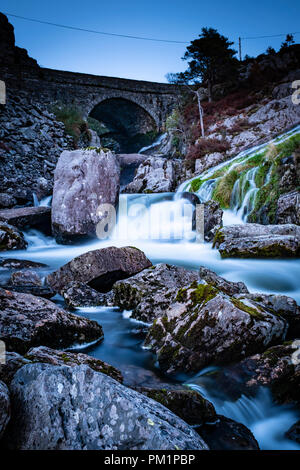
x: 206, y: 326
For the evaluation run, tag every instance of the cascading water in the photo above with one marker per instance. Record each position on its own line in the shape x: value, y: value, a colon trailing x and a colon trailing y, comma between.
x: 160, y: 225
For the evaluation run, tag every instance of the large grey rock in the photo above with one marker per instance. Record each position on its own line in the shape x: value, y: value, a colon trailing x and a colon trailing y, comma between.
x: 64, y: 408
x: 28, y: 321
x: 4, y: 407
x: 83, y: 180
x: 206, y: 326
x: 28, y: 217
x: 149, y: 293
x: 63, y: 358
x: 155, y: 175
x: 100, y: 268
x: 208, y: 161
x: 288, y: 208
x: 28, y: 282
x: 78, y: 294
x: 258, y: 241
x: 11, y: 238
x: 228, y: 287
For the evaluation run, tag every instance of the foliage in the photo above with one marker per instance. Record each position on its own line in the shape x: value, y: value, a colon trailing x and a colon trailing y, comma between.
x: 71, y: 116
x: 97, y: 126
x: 204, y: 146
x: 223, y: 189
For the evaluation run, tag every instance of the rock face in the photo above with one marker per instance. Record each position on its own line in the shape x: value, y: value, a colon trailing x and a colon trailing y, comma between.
x: 149, y: 293
x: 288, y: 208
x: 206, y: 326
x: 28, y: 217
x: 63, y: 358
x: 83, y: 180
x: 77, y: 408
x: 258, y: 241
x: 4, y: 407
x: 155, y: 175
x: 28, y: 321
x: 78, y: 294
x: 11, y: 238
x: 100, y: 268
x: 208, y: 161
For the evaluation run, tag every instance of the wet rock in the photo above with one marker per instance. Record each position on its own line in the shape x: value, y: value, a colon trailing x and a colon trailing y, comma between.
x: 187, y: 404
x: 288, y: 208
x: 28, y: 321
x: 4, y: 408
x: 100, y: 268
x: 213, y: 216
x: 258, y: 241
x: 11, y: 238
x: 78, y: 294
x: 294, y: 432
x: 227, y: 434
x: 155, y: 175
x: 63, y: 358
x: 78, y: 408
x: 206, y: 326
x: 149, y: 293
x: 228, y: 287
x: 83, y: 180
x: 25, y: 278
x: 11, y: 263
x: 28, y: 217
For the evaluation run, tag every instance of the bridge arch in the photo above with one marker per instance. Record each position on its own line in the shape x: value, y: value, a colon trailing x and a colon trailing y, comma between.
x: 127, y: 121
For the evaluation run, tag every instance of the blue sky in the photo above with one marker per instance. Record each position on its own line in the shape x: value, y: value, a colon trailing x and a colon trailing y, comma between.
x: 167, y: 19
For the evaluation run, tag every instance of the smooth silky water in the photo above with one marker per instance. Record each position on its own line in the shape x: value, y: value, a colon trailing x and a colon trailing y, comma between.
x: 160, y: 225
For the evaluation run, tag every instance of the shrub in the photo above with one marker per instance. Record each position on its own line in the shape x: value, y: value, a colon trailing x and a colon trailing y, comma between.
x: 204, y: 146
x: 72, y: 118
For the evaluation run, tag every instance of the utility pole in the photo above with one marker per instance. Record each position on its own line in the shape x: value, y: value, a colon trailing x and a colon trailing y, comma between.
x: 240, y: 49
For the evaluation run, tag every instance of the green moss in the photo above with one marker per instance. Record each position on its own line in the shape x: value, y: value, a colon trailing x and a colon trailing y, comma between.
x: 246, y: 308
x: 218, y: 238
x: 223, y: 189
x: 203, y: 294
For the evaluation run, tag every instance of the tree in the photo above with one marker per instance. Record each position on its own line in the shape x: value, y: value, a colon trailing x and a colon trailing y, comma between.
x: 270, y: 51
x: 211, y: 59
x: 289, y: 40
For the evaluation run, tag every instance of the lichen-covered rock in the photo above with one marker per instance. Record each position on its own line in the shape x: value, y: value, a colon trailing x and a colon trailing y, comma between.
x: 228, y: 287
x: 28, y: 321
x: 13, y: 362
x: 155, y: 175
x: 76, y: 408
x: 189, y: 405
x: 11, y: 238
x: 78, y: 294
x: 207, y: 326
x: 63, y: 358
x: 4, y: 408
x: 100, y: 268
x: 258, y: 241
x: 25, y: 278
x: 11, y: 263
x: 288, y: 208
x: 227, y: 434
x: 83, y: 180
x: 149, y: 293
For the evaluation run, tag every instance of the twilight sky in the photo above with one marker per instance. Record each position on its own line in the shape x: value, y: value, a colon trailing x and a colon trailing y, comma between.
x: 179, y: 20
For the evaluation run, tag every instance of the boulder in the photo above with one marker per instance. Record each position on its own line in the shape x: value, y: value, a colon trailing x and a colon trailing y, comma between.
x: 28, y: 282
x: 288, y: 208
x: 149, y: 293
x: 83, y: 180
x: 208, y: 161
x: 78, y: 294
x: 28, y: 321
x: 213, y: 216
x: 4, y: 408
x: 100, y: 268
x: 64, y: 408
x: 189, y: 405
x: 13, y: 362
x: 63, y: 358
x: 207, y: 326
x: 28, y: 217
x: 7, y: 201
x: 11, y: 263
x: 155, y: 175
x: 227, y: 434
x: 11, y: 238
x: 258, y: 241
